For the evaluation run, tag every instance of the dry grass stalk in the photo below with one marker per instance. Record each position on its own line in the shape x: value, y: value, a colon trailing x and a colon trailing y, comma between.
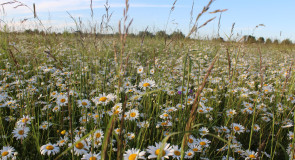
x: 196, y: 102
x: 261, y: 70
x: 142, y: 38
x: 260, y: 149
x: 206, y: 22
x: 121, y: 137
x: 54, y: 58
x: 219, y: 25
x: 13, y: 58
x: 35, y: 13
x: 218, y: 11
x: 91, y: 9
x: 108, y: 135
x: 287, y: 78
x: 229, y: 64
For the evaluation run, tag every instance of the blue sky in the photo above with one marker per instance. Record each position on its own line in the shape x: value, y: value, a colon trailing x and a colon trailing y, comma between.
x: 277, y: 16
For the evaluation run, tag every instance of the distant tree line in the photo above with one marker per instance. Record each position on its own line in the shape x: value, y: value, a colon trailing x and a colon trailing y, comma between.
x: 261, y: 40
x: 162, y: 34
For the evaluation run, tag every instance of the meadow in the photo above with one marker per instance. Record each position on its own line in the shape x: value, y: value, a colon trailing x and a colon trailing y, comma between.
x: 94, y: 96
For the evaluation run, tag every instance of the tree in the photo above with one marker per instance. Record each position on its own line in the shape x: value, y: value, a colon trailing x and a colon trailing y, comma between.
x: 161, y: 34
x: 268, y: 41
x: 145, y: 34
x: 177, y: 35
x: 249, y: 39
x: 276, y: 41
x: 219, y: 39
x: 286, y: 42
x: 261, y: 40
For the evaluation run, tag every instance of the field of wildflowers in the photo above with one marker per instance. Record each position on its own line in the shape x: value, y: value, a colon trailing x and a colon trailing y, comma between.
x: 90, y: 97
x: 80, y: 100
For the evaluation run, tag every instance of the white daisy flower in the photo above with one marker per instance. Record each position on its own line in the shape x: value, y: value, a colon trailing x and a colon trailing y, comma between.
x: 203, y: 142
x: 132, y: 114
x: 7, y: 152
x: 49, y: 149
x: 91, y: 156
x: 62, y: 141
x: 62, y: 100
x: 189, y: 154
x: 20, y: 132
x: 85, y: 103
x: 23, y: 121
x: 147, y: 84
x: 98, y: 135
x: 140, y: 70
x: 250, y: 155
x: 176, y: 152
x: 237, y: 128
x: 154, y: 151
x: 203, y: 131
x: 81, y: 147
x: 134, y: 154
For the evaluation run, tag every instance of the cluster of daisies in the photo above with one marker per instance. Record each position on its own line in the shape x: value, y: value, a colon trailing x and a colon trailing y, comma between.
x: 59, y: 108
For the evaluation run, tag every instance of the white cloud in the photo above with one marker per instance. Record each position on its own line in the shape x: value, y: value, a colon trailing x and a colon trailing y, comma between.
x: 69, y: 5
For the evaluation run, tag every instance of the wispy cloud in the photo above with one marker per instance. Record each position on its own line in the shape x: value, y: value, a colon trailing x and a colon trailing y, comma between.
x: 71, y: 5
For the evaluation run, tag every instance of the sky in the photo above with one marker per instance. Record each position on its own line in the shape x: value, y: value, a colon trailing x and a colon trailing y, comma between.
x: 277, y: 16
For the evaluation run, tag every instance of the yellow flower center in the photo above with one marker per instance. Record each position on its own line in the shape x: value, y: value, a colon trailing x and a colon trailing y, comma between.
x: 79, y: 145
x: 97, y: 135
x: 92, y: 158
x: 177, y: 153
x: 157, y: 152
x: 190, y: 140
x: 21, y: 132
x: 63, y: 100
x: 195, y: 149
x: 202, y: 143
x: 165, y: 115
x: 96, y: 116
x: 103, y: 99
x: 9, y: 103
x: 237, y: 128
x: 132, y: 114
x: 163, y: 123
x: 146, y: 84
x: 201, y: 110
x: 5, y: 153
x: 116, y: 112
x: 189, y: 154
x: 84, y: 103
x: 63, y: 132
x: 252, y: 156
x: 132, y: 157
x: 49, y: 147
x: 53, y: 93
x: 25, y: 120
x: 62, y: 141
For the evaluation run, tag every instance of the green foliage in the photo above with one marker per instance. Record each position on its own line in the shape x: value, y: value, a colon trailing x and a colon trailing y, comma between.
x: 177, y: 35
x: 286, y: 42
x: 268, y: 41
x: 261, y: 40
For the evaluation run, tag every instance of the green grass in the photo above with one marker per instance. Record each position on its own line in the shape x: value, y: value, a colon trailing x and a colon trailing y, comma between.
x: 89, y: 66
